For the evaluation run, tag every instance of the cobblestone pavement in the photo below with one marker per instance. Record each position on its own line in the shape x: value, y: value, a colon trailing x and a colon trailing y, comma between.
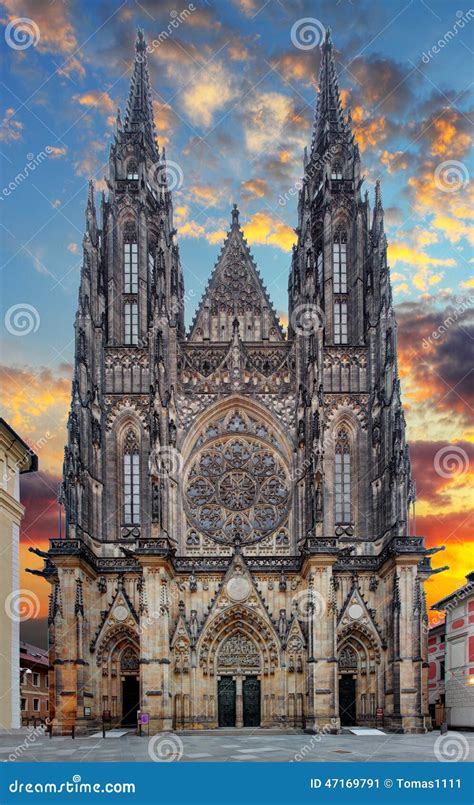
x: 236, y: 746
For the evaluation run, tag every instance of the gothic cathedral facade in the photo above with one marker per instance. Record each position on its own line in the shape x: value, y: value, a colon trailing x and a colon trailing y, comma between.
x: 237, y: 547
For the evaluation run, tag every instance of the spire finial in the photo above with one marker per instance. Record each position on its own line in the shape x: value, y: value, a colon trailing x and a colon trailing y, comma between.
x: 378, y: 195
x: 140, y: 44
x: 329, y: 115
x: 139, y: 111
x: 235, y: 216
x: 90, y: 194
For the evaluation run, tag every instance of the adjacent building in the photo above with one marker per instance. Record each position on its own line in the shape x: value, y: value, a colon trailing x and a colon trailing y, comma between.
x: 15, y: 458
x: 436, y: 670
x: 34, y: 686
x: 459, y: 654
x: 237, y: 547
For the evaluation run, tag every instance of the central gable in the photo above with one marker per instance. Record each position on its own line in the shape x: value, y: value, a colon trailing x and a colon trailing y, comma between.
x: 235, y: 292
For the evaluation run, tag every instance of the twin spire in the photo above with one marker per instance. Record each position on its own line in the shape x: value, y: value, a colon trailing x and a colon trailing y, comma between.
x: 139, y: 110
x: 329, y: 114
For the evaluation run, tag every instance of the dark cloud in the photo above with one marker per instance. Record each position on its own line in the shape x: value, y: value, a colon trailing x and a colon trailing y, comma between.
x: 436, y: 464
x: 38, y: 494
x: 438, y: 346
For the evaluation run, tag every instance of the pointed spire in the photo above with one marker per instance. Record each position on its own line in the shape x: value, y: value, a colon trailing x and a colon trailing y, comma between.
x: 377, y: 220
x: 91, y: 217
x: 139, y: 111
x: 329, y: 115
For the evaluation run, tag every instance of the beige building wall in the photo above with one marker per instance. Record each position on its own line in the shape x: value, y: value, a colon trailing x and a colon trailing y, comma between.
x: 15, y: 458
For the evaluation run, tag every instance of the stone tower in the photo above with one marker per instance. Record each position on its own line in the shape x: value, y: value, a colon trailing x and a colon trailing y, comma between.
x: 237, y: 547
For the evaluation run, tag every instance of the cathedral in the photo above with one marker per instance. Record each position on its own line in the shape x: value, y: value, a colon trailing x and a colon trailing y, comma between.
x: 237, y: 549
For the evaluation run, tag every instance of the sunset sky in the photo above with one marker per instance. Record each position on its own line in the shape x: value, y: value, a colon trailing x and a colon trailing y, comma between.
x: 234, y: 92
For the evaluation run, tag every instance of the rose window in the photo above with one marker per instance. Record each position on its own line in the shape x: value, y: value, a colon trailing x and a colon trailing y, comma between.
x: 237, y: 489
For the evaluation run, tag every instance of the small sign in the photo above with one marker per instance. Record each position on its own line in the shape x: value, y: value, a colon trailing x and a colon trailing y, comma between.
x: 87, y: 712
x: 379, y: 712
x: 144, y: 718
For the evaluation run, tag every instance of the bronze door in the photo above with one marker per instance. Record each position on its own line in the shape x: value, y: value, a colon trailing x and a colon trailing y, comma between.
x: 226, y: 701
x: 251, y: 693
x: 347, y: 700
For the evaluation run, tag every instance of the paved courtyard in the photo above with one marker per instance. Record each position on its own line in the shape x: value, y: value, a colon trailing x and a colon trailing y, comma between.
x: 236, y: 746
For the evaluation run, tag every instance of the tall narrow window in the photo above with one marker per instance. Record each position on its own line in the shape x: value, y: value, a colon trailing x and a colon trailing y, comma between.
x: 130, y: 320
x: 343, y: 478
x: 130, y: 262
x: 131, y: 480
x: 339, y: 253
x: 132, y: 170
x: 340, y: 322
x: 336, y: 172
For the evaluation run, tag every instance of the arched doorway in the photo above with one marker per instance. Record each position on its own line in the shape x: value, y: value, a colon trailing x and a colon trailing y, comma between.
x: 360, y: 680
x: 238, y: 682
x: 130, y: 687
x: 347, y: 686
x: 117, y: 657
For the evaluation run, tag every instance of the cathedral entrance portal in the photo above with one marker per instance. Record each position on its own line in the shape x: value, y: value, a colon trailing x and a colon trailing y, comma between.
x: 226, y: 701
x: 130, y: 700
x: 238, y: 692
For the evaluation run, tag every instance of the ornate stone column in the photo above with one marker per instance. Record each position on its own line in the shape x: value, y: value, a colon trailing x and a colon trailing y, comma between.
x: 323, y: 706
x: 239, y: 698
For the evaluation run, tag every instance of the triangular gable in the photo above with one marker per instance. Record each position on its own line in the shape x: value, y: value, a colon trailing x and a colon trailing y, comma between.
x: 237, y: 588
x: 119, y: 612
x: 235, y: 291
x: 355, y: 613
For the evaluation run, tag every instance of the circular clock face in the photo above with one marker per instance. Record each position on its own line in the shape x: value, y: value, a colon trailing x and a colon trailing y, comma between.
x: 237, y: 488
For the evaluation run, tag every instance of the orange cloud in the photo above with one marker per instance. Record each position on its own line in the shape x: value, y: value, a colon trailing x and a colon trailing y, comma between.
x: 36, y: 402
x: 255, y: 188
x: 96, y: 98
x: 263, y: 229
x: 56, y: 31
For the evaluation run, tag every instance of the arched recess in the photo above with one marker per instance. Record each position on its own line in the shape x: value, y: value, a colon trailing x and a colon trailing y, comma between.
x: 242, y: 620
x: 239, y: 647
x: 360, y: 667
x: 238, y: 419
x: 127, y: 428
x: 118, y: 660
x: 346, y: 437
